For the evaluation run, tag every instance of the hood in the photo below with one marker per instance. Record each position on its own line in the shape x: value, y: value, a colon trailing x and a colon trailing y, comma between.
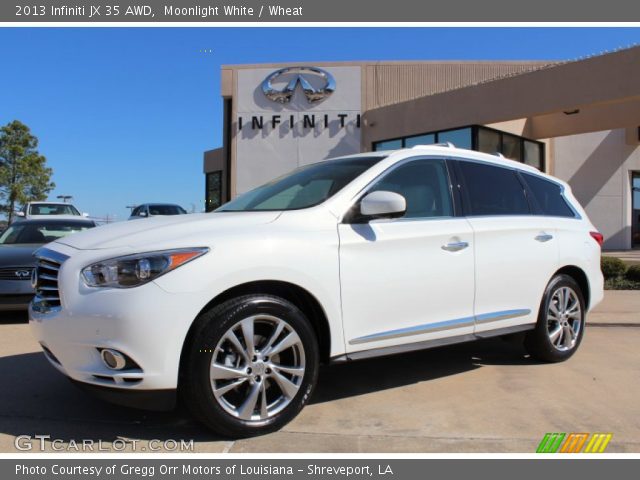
x: 19, y: 255
x: 164, y: 229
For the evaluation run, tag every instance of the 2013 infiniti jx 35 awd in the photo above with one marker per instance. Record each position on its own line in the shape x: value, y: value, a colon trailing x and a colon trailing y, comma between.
x: 367, y: 255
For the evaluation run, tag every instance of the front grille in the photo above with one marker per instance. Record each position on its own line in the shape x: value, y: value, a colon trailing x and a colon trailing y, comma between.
x: 47, y: 283
x: 48, y: 265
x: 16, y: 273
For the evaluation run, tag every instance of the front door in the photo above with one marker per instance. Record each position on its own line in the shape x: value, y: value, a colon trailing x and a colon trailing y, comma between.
x: 410, y: 279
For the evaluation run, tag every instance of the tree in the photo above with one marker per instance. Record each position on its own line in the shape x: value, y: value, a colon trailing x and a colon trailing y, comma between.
x: 24, y: 176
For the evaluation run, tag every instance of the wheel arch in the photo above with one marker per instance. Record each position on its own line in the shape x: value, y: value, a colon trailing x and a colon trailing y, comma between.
x: 293, y: 293
x: 581, y: 279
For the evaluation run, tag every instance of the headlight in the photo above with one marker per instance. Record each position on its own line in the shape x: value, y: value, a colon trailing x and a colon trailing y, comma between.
x: 135, y: 270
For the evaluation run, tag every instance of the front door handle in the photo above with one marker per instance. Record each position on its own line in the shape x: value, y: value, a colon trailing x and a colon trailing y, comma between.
x: 544, y: 237
x: 455, y: 246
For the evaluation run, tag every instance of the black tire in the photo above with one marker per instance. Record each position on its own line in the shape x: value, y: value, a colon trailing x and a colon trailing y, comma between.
x: 197, y: 387
x: 538, y: 342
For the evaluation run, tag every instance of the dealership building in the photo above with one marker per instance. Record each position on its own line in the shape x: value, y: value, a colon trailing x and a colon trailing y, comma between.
x: 578, y: 120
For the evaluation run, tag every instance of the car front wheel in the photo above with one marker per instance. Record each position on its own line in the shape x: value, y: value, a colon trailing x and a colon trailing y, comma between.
x: 253, y: 364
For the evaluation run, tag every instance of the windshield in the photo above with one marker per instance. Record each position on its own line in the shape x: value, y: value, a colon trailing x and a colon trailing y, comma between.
x: 52, y: 209
x: 43, y: 232
x: 166, y: 210
x: 303, y: 188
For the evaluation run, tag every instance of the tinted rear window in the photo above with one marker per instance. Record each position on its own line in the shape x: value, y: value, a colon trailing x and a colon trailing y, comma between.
x: 492, y: 190
x: 548, y: 196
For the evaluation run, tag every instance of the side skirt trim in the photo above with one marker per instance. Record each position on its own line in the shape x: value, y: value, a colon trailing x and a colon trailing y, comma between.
x: 439, y: 326
x: 439, y: 342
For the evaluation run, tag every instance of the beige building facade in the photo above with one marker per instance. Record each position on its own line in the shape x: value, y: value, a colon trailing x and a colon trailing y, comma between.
x: 578, y: 120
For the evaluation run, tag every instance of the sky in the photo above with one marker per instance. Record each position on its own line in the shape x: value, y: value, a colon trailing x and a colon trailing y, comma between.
x: 124, y: 115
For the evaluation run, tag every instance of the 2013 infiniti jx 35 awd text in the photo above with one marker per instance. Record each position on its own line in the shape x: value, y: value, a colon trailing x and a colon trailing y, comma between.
x: 233, y: 311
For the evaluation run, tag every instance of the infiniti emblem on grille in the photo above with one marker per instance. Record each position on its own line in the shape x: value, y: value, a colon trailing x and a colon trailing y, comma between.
x: 34, y: 278
x: 22, y: 274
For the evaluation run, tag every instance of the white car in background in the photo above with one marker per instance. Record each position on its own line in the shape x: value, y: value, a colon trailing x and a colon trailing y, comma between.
x: 357, y: 257
x: 44, y: 210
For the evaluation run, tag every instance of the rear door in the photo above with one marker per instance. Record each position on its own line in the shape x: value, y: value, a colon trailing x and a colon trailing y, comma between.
x: 516, y: 252
x: 410, y: 279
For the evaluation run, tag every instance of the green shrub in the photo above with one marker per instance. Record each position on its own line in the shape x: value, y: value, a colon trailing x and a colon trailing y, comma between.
x: 612, y: 267
x: 620, y: 284
x: 633, y: 273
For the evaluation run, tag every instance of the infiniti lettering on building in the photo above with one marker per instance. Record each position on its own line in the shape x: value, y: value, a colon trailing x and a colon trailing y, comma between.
x: 293, y: 116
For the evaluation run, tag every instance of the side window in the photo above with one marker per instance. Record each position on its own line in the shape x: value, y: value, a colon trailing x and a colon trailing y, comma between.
x: 548, y: 196
x: 493, y: 190
x: 425, y: 186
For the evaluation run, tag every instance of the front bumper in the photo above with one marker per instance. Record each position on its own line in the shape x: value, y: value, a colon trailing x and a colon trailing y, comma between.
x: 157, y: 400
x: 14, y: 302
x: 15, y: 294
x: 147, y: 324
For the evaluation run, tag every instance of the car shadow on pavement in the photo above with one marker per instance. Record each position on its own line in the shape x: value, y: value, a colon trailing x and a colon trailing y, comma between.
x: 367, y: 376
x: 38, y: 400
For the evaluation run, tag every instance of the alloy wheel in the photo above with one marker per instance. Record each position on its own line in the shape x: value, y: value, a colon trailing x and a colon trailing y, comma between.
x: 257, y: 368
x: 564, y: 319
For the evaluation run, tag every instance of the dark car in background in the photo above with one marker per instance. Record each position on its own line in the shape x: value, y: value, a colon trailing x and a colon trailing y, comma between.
x: 147, y: 210
x: 17, y: 244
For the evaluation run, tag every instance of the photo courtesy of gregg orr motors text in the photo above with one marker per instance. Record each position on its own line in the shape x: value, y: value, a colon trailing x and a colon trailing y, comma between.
x: 229, y: 469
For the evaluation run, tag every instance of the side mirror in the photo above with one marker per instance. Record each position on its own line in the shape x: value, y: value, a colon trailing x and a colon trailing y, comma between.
x: 382, y: 204
x: 142, y: 214
x: 85, y: 214
x: 19, y: 214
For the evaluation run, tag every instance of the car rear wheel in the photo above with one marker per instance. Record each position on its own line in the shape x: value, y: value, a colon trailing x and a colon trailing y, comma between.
x: 252, y: 366
x: 561, y: 321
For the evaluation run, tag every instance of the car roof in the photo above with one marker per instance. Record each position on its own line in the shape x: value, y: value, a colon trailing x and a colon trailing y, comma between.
x: 50, y: 203
x: 445, y: 149
x: 451, y: 150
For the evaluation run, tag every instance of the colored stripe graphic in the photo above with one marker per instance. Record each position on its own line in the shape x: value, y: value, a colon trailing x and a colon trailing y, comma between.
x: 598, y: 443
x: 550, y: 443
x: 557, y: 442
x: 574, y: 443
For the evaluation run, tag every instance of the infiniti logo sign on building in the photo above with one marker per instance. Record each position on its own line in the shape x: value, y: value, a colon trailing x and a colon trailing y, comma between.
x: 316, y: 85
x: 306, y: 77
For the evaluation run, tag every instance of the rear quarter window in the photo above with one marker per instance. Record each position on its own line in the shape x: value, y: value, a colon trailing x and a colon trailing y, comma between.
x: 492, y: 190
x: 548, y: 197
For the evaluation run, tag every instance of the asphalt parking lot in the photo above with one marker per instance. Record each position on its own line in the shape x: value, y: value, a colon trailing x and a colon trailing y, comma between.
x: 479, y: 397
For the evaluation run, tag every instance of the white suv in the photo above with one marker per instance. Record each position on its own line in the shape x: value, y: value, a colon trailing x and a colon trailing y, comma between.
x: 361, y: 256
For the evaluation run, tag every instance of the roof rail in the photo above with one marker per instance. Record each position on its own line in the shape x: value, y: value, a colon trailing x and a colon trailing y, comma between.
x: 443, y: 144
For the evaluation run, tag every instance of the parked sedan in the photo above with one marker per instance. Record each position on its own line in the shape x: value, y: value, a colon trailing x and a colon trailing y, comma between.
x: 17, y: 244
x: 156, y: 209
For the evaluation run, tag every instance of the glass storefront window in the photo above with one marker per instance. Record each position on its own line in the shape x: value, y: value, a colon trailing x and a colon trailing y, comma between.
x: 488, y: 141
x: 511, y: 147
x: 426, y: 139
x: 533, y: 154
x: 479, y: 138
x: 214, y: 190
x: 388, y: 145
x: 460, y: 138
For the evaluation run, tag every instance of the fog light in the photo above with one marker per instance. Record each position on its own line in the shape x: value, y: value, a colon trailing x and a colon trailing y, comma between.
x: 113, y: 359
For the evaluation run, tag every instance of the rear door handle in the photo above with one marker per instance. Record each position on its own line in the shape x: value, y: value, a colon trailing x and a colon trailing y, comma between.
x: 544, y: 237
x: 455, y: 246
